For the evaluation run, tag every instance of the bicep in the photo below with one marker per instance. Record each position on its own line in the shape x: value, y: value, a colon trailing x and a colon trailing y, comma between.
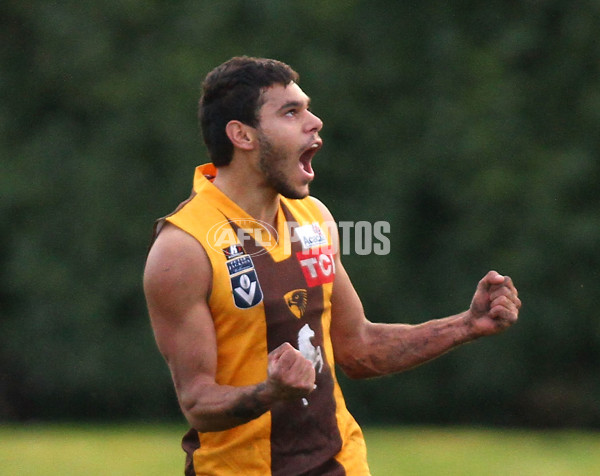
x: 349, y: 324
x: 176, y: 284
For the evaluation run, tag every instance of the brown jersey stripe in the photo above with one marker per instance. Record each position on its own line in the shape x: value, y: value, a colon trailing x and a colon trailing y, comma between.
x: 304, y: 434
x: 190, y: 443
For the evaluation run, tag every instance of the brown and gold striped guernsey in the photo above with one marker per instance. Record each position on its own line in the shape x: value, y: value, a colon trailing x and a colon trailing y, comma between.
x: 270, y: 287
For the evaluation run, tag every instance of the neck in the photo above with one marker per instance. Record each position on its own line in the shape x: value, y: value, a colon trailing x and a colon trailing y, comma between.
x: 240, y: 186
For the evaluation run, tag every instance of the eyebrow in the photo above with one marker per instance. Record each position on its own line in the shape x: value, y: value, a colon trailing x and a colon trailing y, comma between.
x: 292, y: 104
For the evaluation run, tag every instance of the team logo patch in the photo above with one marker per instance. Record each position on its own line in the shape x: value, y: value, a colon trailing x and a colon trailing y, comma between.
x: 318, y: 266
x: 296, y: 301
x: 311, y: 235
x: 244, y: 282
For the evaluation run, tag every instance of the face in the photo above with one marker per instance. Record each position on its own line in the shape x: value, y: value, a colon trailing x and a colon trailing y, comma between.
x: 288, y: 138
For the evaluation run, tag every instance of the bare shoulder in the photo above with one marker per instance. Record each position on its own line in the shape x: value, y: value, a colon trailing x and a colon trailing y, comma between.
x: 330, y: 223
x: 322, y: 208
x: 177, y: 269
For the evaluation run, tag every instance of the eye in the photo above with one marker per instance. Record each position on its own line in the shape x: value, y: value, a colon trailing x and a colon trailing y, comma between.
x: 291, y: 112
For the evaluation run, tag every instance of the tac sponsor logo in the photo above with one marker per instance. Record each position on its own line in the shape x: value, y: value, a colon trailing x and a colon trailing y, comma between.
x: 318, y: 266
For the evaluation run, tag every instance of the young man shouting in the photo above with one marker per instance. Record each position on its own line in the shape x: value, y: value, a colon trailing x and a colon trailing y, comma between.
x: 251, y: 306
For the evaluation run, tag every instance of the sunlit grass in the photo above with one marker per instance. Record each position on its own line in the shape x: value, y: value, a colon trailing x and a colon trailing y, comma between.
x: 153, y: 450
x: 115, y: 450
x: 482, y: 452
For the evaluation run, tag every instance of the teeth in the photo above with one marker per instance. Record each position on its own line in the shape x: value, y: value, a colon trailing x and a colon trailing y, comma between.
x: 314, y: 146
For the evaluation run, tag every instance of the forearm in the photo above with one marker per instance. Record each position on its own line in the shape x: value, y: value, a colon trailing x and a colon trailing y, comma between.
x: 209, y: 406
x: 218, y: 407
x: 390, y: 348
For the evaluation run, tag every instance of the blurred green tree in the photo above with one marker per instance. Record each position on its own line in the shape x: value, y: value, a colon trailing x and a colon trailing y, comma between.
x: 471, y: 128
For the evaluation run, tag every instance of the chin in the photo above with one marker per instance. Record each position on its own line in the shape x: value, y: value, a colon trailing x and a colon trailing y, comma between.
x: 295, y: 193
x: 293, y: 188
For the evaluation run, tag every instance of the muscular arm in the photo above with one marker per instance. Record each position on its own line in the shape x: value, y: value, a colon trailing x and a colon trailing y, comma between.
x: 177, y: 282
x: 365, y: 349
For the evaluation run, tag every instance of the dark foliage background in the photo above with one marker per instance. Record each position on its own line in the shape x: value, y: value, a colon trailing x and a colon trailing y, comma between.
x: 472, y: 127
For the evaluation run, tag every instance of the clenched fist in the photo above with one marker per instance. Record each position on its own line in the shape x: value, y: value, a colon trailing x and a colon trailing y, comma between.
x: 495, y: 305
x: 290, y: 375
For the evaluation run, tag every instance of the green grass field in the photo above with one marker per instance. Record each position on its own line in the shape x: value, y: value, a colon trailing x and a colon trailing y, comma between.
x: 153, y: 450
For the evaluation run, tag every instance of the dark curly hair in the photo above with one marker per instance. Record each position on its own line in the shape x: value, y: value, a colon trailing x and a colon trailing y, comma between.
x: 233, y: 91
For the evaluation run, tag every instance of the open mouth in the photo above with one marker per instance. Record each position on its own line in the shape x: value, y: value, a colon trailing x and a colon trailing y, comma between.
x: 307, y: 156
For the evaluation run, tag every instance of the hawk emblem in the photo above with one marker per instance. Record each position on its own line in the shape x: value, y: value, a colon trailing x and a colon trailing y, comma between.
x: 296, y: 301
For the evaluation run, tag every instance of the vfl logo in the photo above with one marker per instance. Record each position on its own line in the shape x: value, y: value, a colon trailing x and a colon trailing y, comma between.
x: 318, y: 266
x: 246, y: 290
x: 296, y: 301
x: 244, y: 282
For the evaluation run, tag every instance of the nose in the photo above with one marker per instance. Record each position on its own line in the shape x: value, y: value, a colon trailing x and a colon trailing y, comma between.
x: 314, y: 124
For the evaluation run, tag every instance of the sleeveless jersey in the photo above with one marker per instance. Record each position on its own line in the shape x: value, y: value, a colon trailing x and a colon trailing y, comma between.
x: 270, y: 286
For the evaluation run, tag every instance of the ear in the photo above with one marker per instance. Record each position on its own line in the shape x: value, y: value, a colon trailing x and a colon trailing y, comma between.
x: 241, y: 135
